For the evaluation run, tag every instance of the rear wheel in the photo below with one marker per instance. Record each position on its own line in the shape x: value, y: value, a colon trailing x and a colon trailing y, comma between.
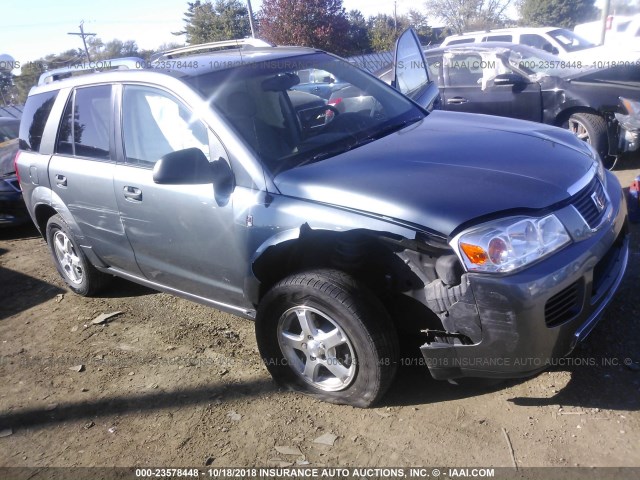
x: 324, y: 334
x: 71, y: 262
x: 592, y: 129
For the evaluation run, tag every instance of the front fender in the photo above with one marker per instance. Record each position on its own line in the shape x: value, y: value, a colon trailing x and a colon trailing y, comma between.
x: 292, y: 216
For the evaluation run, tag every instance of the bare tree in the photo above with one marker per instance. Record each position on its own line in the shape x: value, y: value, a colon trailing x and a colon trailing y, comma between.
x: 461, y: 15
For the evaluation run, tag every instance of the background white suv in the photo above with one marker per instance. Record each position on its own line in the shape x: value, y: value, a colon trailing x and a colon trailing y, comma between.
x: 559, y: 41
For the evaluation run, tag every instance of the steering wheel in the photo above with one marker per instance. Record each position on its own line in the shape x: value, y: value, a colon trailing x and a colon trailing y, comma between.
x: 350, y: 122
x: 332, y: 109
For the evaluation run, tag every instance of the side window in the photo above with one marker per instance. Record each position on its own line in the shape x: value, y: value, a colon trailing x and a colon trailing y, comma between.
x: 464, y: 70
x: 154, y: 123
x: 86, y: 123
x: 461, y: 41
x: 498, y: 38
x: 536, y: 41
x: 435, y: 68
x: 34, y: 118
x: 320, y: 76
x: 411, y: 74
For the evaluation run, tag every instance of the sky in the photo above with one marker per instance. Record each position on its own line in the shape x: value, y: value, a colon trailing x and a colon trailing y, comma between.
x: 32, y: 29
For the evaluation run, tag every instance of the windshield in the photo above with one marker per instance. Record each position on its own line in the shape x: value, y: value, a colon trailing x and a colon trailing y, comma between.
x: 569, y: 40
x: 288, y: 125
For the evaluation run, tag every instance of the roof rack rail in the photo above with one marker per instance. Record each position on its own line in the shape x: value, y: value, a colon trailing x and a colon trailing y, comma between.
x: 95, y: 66
x: 224, y: 44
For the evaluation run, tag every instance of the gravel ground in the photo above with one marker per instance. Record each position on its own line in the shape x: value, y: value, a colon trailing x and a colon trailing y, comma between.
x: 171, y: 383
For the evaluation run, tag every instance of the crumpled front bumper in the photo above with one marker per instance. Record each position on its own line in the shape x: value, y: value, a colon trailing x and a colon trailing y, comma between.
x: 521, y: 331
x: 629, y: 132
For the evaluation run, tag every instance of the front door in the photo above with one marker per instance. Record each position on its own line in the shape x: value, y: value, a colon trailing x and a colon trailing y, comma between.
x: 183, y: 236
x: 471, y: 85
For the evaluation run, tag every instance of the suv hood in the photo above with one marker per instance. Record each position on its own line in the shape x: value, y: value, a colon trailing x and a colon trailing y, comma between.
x: 447, y: 170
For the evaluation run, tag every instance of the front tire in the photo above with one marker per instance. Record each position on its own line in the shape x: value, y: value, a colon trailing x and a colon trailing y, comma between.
x: 324, y: 334
x: 72, y: 264
x: 592, y: 129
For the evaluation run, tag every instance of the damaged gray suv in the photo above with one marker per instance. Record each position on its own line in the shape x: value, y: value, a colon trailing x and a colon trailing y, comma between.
x: 333, y: 224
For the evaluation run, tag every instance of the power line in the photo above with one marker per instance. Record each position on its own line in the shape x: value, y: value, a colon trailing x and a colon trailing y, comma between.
x: 83, y: 35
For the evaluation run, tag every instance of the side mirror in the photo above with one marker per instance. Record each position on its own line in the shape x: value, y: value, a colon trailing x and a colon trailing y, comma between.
x: 509, y: 79
x: 223, y: 180
x: 183, y: 167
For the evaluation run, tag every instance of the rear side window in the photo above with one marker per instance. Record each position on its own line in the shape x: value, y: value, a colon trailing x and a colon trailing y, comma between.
x: 498, y: 38
x: 461, y: 41
x: 86, y: 123
x: 34, y: 118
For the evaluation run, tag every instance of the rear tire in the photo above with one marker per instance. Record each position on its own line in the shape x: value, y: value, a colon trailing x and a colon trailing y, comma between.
x: 592, y: 129
x: 72, y: 264
x: 323, y: 334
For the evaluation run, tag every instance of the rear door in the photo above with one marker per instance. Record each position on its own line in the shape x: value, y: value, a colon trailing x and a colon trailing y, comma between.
x: 471, y: 83
x: 411, y: 74
x: 81, y: 173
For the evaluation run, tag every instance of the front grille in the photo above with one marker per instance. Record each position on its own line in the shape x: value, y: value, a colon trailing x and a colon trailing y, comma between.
x: 563, y: 306
x: 591, y: 202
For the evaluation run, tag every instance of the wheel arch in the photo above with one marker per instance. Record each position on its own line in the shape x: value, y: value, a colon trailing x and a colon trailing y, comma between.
x: 43, y: 213
x: 564, y: 115
x: 608, y: 117
x: 391, y: 266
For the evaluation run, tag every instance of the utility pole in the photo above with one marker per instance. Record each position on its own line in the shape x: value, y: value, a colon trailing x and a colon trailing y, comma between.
x: 83, y: 35
x: 605, y: 16
x: 253, y: 32
x: 395, y: 16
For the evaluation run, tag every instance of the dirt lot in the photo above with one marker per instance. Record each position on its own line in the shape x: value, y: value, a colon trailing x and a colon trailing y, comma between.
x: 172, y: 383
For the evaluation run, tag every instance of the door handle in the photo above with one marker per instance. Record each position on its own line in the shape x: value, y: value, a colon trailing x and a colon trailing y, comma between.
x: 132, y: 194
x: 61, y: 180
x: 457, y: 101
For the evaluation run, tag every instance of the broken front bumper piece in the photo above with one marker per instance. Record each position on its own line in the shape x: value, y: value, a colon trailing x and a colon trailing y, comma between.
x: 526, y: 322
x: 629, y: 132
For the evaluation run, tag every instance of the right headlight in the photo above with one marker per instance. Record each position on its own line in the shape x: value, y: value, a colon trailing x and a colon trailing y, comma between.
x: 631, y: 106
x: 509, y: 244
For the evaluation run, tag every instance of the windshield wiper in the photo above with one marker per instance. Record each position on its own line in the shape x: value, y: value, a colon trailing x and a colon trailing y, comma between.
x: 383, y: 132
x: 332, y: 153
x: 389, y: 129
